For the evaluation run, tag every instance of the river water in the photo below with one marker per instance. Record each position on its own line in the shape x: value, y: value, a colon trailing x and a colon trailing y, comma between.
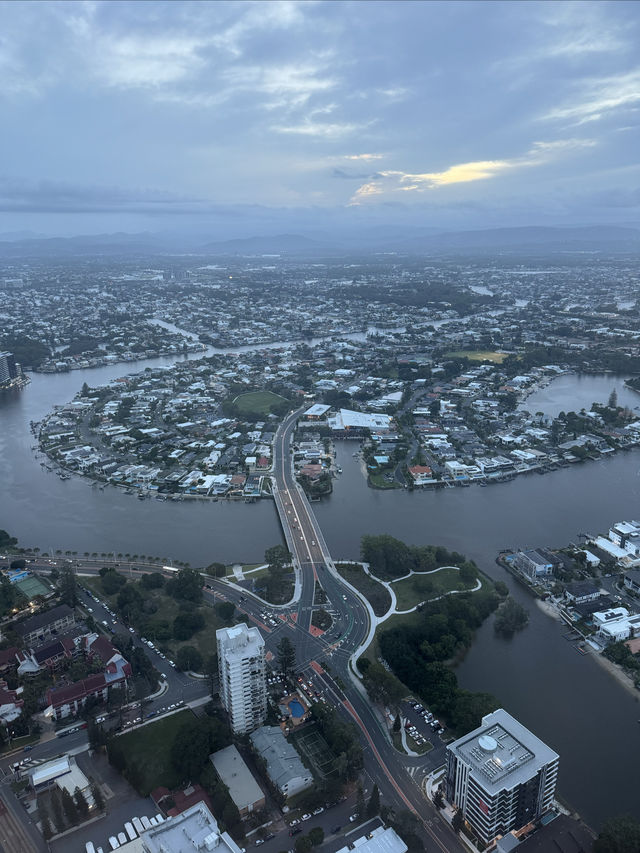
x: 567, y: 699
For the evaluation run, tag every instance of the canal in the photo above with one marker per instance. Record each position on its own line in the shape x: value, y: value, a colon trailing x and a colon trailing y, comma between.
x: 566, y: 698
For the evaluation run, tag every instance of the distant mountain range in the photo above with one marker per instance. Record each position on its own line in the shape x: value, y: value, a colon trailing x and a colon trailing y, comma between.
x: 411, y: 240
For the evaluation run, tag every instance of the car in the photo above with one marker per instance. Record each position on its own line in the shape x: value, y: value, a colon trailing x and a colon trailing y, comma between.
x: 132, y: 630
x: 319, y: 810
x: 269, y: 836
x: 440, y: 731
x: 172, y: 664
x: 163, y: 676
x: 259, y: 841
x: 306, y: 816
x: 171, y: 707
x: 335, y: 829
x: 27, y: 748
x: 294, y: 822
x: 295, y: 830
x: 353, y: 818
x: 143, y: 640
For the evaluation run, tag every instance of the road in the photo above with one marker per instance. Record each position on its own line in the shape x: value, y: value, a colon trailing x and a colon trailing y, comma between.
x: 398, y: 776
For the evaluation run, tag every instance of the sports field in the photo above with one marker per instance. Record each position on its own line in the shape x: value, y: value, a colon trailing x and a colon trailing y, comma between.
x: 479, y: 355
x: 257, y: 401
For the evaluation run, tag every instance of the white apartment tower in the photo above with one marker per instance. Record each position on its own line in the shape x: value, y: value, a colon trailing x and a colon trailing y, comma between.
x: 501, y: 776
x: 241, y: 668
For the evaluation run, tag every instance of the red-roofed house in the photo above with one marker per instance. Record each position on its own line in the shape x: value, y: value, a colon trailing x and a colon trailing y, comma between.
x: 421, y: 474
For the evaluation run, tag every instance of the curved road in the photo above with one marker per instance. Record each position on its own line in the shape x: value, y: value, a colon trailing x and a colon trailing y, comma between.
x: 313, y: 561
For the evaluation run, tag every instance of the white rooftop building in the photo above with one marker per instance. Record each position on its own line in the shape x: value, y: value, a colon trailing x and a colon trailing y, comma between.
x: 380, y: 840
x: 241, y: 666
x: 500, y: 775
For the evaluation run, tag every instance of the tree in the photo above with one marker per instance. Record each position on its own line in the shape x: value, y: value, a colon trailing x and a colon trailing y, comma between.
x: 187, y: 586
x: 70, y: 808
x: 81, y: 803
x: 67, y: 587
x: 187, y: 623
x: 277, y: 555
x: 56, y: 805
x: 152, y: 580
x: 96, y: 793
x: 613, y: 399
x: 618, y: 835
x: 217, y: 570
x: 316, y: 836
x: 438, y: 799
x: 286, y: 654
x: 397, y: 723
x: 189, y: 658
x: 210, y: 669
x: 383, y: 686
x: 511, y: 617
x: 458, y: 821
x: 360, y: 806
x: 373, y: 806
x: 225, y: 610
x: 47, y: 831
x: 501, y: 588
x: 303, y: 844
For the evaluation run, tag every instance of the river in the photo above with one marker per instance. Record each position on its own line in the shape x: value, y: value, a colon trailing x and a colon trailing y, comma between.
x: 567, y: 699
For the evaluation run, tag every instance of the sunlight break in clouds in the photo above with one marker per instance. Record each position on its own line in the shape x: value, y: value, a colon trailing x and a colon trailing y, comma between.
x: 462, y: 173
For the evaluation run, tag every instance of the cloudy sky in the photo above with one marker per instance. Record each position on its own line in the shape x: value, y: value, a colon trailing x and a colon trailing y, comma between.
x: 247, y: 117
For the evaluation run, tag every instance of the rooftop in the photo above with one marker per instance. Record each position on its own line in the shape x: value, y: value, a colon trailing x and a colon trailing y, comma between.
x: 502, y: 752
x: 243, y: 788
x: 380, y: 840
x: 192, y: 831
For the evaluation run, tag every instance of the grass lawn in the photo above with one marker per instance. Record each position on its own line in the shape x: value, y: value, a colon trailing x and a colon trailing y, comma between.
x: 167, y: 609
x: 257, y: 401
x: 479, y: 355
x: 422, y: 587
x: 148, y: 749
x: 377, y: 479
x: 372, y: 590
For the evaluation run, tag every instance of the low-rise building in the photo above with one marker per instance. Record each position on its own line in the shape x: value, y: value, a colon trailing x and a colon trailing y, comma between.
x: 533, y: 564
x: 234, y: 773
x: 379, y: 840
x: 581, y: 591
x: 284, y: 766
x: 44, y: 625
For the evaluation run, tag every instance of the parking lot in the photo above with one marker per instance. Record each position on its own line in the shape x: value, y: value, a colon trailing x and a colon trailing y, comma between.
x: 421, y: 726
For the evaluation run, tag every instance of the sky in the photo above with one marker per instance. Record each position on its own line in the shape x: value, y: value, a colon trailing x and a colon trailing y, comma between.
x: 241, y: 118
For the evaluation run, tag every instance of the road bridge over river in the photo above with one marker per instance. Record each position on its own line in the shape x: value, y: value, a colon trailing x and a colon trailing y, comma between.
x: 314, y: 566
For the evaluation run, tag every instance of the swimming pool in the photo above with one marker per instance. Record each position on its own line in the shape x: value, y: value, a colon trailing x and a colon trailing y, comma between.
x: 296, y: 708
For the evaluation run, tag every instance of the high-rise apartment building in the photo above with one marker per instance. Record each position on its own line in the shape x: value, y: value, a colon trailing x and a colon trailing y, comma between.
x: 8, y: 368
x: 241, y: 667
x: 501, y: 776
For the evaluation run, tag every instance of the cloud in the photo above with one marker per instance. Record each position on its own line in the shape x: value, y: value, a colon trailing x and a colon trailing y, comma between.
x: 601, y: 97
x: 463, y: 173
x: 19, y: 195
x: 366, y: 157
x: 357, y: 176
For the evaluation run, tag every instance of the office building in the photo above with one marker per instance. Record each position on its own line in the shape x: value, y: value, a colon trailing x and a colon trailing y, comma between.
x: 501, y: 776
x: 241, y: 667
